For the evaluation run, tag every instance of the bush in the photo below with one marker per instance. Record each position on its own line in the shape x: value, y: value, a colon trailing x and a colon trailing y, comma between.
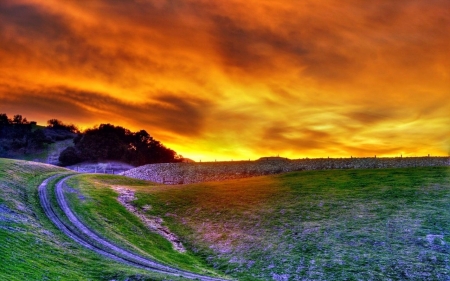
x: 69, y: 156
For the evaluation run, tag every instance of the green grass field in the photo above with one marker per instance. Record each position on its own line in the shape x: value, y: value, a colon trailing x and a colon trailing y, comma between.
x: 31, y: 248
x: 391, y: 224
x: 386, y: 224
x: 97, y: 206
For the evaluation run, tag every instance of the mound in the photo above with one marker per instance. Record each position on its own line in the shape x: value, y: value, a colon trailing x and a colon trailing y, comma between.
x: 186, y: 173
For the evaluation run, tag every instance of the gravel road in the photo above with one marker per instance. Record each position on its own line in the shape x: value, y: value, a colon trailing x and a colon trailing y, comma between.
x: 86, y: 237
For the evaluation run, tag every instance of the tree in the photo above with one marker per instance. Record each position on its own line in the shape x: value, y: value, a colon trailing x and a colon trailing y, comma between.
x: 106, y: 142
x: 19, y: 120
x: 13, y: 132
x: 109, y: 142
x: 59, y: 125
x: 55, y: 123
x: 4, y: 119
x: 37, y: 140
x: 69, y: 156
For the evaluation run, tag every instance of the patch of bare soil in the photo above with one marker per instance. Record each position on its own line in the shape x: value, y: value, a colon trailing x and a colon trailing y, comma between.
x: 126, y: 196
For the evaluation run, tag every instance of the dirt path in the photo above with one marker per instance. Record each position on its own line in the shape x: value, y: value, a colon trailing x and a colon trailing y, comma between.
x: 126, y: 196
x: 45, y: 203
x: 83, y: 235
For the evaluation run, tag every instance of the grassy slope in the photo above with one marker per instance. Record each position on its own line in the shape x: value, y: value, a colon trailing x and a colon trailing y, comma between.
x: 31, y: 248
x: 316, y: 225
x: 50, y: 152
x: 96, y: 204
x: 320, y: 225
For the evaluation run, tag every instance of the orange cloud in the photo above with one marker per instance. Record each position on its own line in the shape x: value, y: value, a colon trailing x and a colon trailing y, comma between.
x: 237, y: 79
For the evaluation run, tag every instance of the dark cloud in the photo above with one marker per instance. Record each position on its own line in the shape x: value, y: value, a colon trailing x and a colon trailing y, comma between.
x: 50, y: 41
x: 333, y: 43
x: 181, y: 116
x: 369, y: 117
x: 167, y: 112
x: 323, y: 47
x: 32, y: 21
x: 290, y: 138
x: 44, y: 105
x: 302, y: 44
x: 248, y: 49
x: 370, y: 150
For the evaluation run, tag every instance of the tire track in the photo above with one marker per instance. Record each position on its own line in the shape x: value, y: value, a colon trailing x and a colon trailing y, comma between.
x: 84, y: 236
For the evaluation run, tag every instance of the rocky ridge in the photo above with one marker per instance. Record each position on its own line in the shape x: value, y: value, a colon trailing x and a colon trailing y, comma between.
x: 186, y: 173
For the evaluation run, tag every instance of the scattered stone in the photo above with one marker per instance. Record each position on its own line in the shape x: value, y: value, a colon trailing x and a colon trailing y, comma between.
x: 146, y: 208
x: 186, y: 173
x: 126, y: 196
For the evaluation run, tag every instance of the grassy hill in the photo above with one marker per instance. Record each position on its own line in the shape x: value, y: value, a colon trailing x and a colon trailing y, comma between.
x: 31, y: 248
x: 316, y: 225
x: 95, y: 202
x: 49, y: 154
x: 313, y: 225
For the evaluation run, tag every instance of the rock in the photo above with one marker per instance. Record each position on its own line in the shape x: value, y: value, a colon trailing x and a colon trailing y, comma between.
x: 186, y: 173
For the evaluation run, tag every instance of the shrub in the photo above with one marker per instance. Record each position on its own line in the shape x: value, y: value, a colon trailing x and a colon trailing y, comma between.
x: 69, y: 156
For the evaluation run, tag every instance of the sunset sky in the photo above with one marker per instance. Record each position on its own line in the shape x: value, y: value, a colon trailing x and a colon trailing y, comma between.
x: 237, y: 79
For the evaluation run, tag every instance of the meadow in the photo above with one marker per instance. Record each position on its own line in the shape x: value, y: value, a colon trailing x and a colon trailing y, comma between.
x: 379, y: 224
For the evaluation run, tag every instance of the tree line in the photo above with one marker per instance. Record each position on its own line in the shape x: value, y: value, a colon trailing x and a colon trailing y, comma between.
x: 19, y: 136
x: 109, y: 142
x: 100, y: 143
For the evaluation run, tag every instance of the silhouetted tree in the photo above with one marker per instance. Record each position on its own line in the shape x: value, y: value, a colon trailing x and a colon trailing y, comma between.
x: 18, y: 120
x: 69, y: 156
x: 59, y: 125
x: 109, y: 142
x: 17, y: 134
x: 4, y: 119
x: 37, y: 140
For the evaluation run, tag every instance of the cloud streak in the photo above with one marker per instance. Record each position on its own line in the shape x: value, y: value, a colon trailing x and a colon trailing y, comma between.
x: 166, y: 112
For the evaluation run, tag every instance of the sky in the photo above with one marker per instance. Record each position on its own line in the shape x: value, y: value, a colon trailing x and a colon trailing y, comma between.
x: 237, y: 79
